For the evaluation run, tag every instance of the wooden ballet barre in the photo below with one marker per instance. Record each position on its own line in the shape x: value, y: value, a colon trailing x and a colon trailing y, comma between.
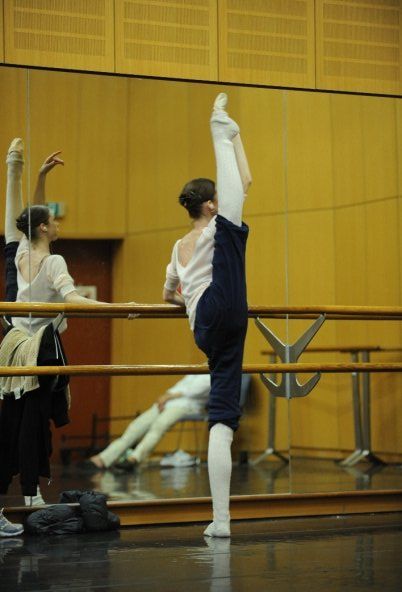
x: 164, y: 369
x: 333, y: 312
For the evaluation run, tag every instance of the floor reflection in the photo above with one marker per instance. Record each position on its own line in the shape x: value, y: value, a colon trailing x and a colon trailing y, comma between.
x: 260, y: 555
x: 153, y: 481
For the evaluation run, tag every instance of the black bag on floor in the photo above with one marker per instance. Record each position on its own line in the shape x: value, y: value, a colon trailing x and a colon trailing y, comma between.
x: 92, y: 515
x: 94, y: 511
x: 57, y: 519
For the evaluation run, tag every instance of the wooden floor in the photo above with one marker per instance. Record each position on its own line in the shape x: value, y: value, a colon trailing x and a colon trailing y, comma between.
x: 348, y: 554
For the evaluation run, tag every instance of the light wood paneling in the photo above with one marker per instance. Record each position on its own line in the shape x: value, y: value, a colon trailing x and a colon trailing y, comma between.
x: 313, y: 419
x: 309, y: 151
x: 350, y: 268
x: 260, y: 113
x: 170, y: 124
x: 383, y: 277
x: 379, y: 148
x: 359, y: 45
x: 310, y: 249
x: 13, y: 83
x: 85, y: 116
x: 1, y: 31
x: 170, y: 144
x: 168, y: 38
x: 348, y: 167
x: 60, y: 34
x: 267, y: 42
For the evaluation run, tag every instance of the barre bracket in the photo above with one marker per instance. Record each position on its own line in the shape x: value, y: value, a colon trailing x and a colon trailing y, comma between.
x: 290, y: 387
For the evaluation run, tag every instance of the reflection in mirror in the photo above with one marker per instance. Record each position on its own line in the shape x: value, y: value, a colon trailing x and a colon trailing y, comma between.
x: 344, y: 228
x: 128, y: 147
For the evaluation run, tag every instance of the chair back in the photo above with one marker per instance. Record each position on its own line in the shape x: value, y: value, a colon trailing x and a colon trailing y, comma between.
x: 244, y: 389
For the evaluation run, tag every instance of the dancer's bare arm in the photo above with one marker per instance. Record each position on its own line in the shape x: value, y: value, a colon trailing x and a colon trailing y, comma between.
x: 242, y: 163
x: 40, y: 190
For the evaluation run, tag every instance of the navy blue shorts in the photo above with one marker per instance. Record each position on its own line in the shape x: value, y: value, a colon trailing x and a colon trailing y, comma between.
x: 10, y: 251
x: 221, y: 322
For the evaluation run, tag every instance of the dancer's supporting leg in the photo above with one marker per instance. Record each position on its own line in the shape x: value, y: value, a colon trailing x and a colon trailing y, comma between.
x: 230, y: 206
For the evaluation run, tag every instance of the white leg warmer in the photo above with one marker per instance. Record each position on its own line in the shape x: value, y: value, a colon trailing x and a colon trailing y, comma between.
x: 14, y: 205
x: 220, y: 471
x: 228, y: 180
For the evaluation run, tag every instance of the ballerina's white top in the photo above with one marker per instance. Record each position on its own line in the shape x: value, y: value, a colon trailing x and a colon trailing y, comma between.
x: 196, y: 276
x: 52, y: 283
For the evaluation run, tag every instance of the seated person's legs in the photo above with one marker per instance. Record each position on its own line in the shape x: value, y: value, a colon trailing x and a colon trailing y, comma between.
x: 165, y: 420
x: 134, y: 432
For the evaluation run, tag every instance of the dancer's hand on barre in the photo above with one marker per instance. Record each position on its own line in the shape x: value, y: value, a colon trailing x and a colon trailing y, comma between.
x: 75, y: 298
x: 173, y: 297
x: 50, y: 162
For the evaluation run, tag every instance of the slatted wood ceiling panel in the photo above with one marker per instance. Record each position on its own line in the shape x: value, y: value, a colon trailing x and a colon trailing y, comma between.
x: 60, y: 33
x: 267, y: 42
x: 172, y: 38
x: 359, y: 45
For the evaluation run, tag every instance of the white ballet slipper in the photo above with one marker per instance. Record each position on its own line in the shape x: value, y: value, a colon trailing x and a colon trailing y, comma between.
x: 16, y: 151
x: 220, y: 102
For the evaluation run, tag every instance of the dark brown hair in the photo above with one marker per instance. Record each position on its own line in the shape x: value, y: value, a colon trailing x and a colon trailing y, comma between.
x: 194, y: 194
x: 32, y: 218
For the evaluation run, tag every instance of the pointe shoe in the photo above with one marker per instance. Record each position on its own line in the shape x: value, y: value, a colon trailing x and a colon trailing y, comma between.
x: 220, y: 530
x: 16, y: 151
x: 220, y: 102
x: 221, y: 124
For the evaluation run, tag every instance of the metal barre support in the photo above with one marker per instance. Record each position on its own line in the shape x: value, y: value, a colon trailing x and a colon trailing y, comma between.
x: 271, y: 450
x: 361, y: 417
x: 289, y: 354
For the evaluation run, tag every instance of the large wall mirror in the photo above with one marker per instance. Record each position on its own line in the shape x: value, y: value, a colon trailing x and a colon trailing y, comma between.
x: 343, y: 247
x: 324, y: 213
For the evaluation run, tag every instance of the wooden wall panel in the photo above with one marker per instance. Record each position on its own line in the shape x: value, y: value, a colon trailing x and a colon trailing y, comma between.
x: 85, y: 116
x: 167, y: 38
x: 359, y: 256
x: 379, y: 148
x: 313, y: 419
x: 264, y: 42
x: 13, y: 85
x: 1, y: 31
x: 309, y: 151
x: 348, y: 167
x: 359, y: 45
x: 260, y: 113
x: 170, y: 124
x: 383, y: 266
x: 60, y: 34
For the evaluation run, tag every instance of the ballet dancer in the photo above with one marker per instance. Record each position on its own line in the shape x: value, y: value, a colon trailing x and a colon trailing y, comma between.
x: 209, y: 265
x: 32, y: 272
